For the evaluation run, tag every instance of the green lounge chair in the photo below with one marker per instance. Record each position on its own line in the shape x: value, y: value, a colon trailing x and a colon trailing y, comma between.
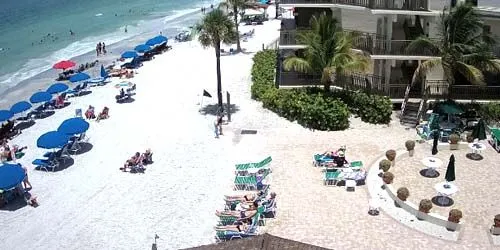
x: 225, y: 220
x: 495, y: 138
x: 245, y: 166
x: 331, y: 177
x: 356, y: 164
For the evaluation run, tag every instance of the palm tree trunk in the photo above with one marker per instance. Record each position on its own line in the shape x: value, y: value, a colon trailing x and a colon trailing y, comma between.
x: 277, y: 2
x: 235, y: 15
x: 219, y: 81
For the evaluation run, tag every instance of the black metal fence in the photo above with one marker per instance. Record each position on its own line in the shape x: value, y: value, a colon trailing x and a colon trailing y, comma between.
x: 416, y: 5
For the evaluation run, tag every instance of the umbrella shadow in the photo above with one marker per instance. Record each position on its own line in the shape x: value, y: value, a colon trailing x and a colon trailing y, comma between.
x: 15, y: 204
x: 128, y: 100
x: 45, y: 114
x: 25, y: 124
x: 64, y: 164
x: 474, y: 157
x: 66, y: 104
x: 86, y: 92
x: 84, y: 148
x: 213, y: 109
x: 448, y: 202
x: 429, y: 174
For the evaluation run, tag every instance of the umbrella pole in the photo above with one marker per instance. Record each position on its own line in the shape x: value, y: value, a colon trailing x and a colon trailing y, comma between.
x: 201, y: 103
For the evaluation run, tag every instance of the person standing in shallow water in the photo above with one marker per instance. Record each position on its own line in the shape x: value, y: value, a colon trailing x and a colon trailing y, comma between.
x: 103, y: 48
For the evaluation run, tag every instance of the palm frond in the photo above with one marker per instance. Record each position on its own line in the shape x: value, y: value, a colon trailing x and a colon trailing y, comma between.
x: 215, y: 28
x: 297, y: 64
x: 471, y: 73
x: 423, y: 43
x: 424, y: 68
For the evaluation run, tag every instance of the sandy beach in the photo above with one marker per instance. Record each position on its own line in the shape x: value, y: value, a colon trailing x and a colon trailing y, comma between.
x: 93, y: 205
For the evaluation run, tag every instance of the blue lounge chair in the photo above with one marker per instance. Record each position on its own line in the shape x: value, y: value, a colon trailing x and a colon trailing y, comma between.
x: 44, y: 164
x: 101, y: 80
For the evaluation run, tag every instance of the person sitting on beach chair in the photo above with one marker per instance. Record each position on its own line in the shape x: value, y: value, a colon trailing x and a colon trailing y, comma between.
x: 147, y: 157
x: 135, y: 160
x: 90, y: 113
x: 340, y: 160
x: 122, y: 96
x: 103, y: 115
x: 11, y: 154
x: 60, y: 100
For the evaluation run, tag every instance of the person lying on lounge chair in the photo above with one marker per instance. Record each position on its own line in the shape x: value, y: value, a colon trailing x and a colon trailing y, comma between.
x: 250, y: 197
x: 242, y: 227
x: 135, y: 160
x: 340, y: 160
x: 244, y: 214
x: 60, y: 101
x: 8, y: 153
x: 104, y: 114
x: 90, y: 113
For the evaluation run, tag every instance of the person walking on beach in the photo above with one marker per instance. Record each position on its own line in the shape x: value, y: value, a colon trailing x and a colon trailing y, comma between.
x: 218, y: 125
x: 103, y: 48
x: 97, y: 49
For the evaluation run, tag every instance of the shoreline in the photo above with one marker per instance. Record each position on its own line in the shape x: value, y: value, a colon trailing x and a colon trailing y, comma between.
x: 23, y: 89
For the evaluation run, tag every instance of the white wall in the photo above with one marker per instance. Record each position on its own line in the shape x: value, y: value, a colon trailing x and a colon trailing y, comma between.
x: 363, y: 21
x: 494, y: 24
x: 439, y: 4
x: 434, y: 26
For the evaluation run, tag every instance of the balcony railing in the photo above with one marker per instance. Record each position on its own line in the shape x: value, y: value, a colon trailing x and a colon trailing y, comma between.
x: 376, y: 85
x: 415, y: 5
x: 370, y: 43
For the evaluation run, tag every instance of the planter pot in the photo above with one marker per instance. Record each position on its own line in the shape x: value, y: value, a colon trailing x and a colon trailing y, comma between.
x: 421, y: 215
x: 411, y: 152
x: 451, y: 226
x: 454, y: 146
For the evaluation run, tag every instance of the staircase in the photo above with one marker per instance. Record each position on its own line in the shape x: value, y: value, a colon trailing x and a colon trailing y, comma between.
x: 409, y: 116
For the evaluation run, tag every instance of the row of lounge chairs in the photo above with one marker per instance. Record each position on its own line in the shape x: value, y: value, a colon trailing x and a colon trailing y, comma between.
x: 333, y: 175
x: 248, y: 177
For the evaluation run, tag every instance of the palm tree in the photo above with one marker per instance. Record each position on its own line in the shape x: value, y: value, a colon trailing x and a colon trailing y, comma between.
x: 236, y: 6
x: 215, y: 28
x: 329, y: 50
x: 462, y: 47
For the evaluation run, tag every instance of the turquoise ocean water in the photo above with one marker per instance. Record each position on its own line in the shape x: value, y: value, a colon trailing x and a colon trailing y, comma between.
x: 35, y: 34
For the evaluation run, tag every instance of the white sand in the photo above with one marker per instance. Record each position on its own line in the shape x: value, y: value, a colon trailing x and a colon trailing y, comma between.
x: 93, y: 205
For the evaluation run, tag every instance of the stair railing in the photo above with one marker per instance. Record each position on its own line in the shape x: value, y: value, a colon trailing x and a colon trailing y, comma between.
x: 407, y: 96
x: 423, y: 104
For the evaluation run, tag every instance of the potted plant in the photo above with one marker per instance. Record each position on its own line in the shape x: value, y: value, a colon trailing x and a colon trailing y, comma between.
x: 410, y: 146
x: 388, y: 177
x: 391, y: 156
x: 470, y: 138
x: 454, y: 139
x: 495, y: 229
x: 454, y: 217
x: 424, y: 208
x: 402, y: 194
x: 384, y: 165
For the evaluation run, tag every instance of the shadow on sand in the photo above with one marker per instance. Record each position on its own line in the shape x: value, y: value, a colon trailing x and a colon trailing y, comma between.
x: 128, y: 100
x: 85, y: 147
x: 45, y: 114
x: 15, y: 204
x: 24, y: 125
x: 63, y: 164
x: 212, y: 109
x: 425, y: 173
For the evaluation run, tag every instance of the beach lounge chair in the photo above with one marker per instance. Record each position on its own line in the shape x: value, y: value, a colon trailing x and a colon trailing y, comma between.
x: 225, y: 220
x: 78, y: 113
x: 231, y: 235
x: 44, y: 164
x: 356, y: 164
x: 250, y: 182
x: 246, y: 166
x: 321, y: 160
x: 495, y: 138
x: 99, y: 81
x: 331, y: 177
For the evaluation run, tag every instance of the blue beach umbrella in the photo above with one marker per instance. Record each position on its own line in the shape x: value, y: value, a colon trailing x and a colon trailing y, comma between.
x: 20, y: 107
x: 41, y: 96
x: 52, y: 139
x: 73, y: 126
x: 57, y: 88
x: 129, y: 54
x: 5, y: 115
x: 143, y: 48
x: 79, y: 77
x: 157, y: 40
x: 11, y: 175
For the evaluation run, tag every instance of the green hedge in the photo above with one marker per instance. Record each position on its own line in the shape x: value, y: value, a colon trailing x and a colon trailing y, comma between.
x: 312, y: 107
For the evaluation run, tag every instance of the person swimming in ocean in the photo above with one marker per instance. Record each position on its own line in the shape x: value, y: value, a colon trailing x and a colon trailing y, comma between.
x: 71, y: 32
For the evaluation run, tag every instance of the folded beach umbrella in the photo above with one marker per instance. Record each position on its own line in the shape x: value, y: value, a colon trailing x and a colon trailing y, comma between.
x: 129, y: 54
x: 5, y: 115
x: 79, y: 77
x: 73, y: 126
x: 20, y: 107
x: 41, y: 96
x: 52, y: 139
x: 57, y: 88
x: 143, y: 48
x: 11, y: 175
x: 157, y: 40
x: 64, y: 65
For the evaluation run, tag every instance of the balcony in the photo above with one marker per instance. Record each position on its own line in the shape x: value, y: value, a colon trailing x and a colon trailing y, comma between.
x: 371, y: 43
x: 412, y: 5
x: 395, y: 90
